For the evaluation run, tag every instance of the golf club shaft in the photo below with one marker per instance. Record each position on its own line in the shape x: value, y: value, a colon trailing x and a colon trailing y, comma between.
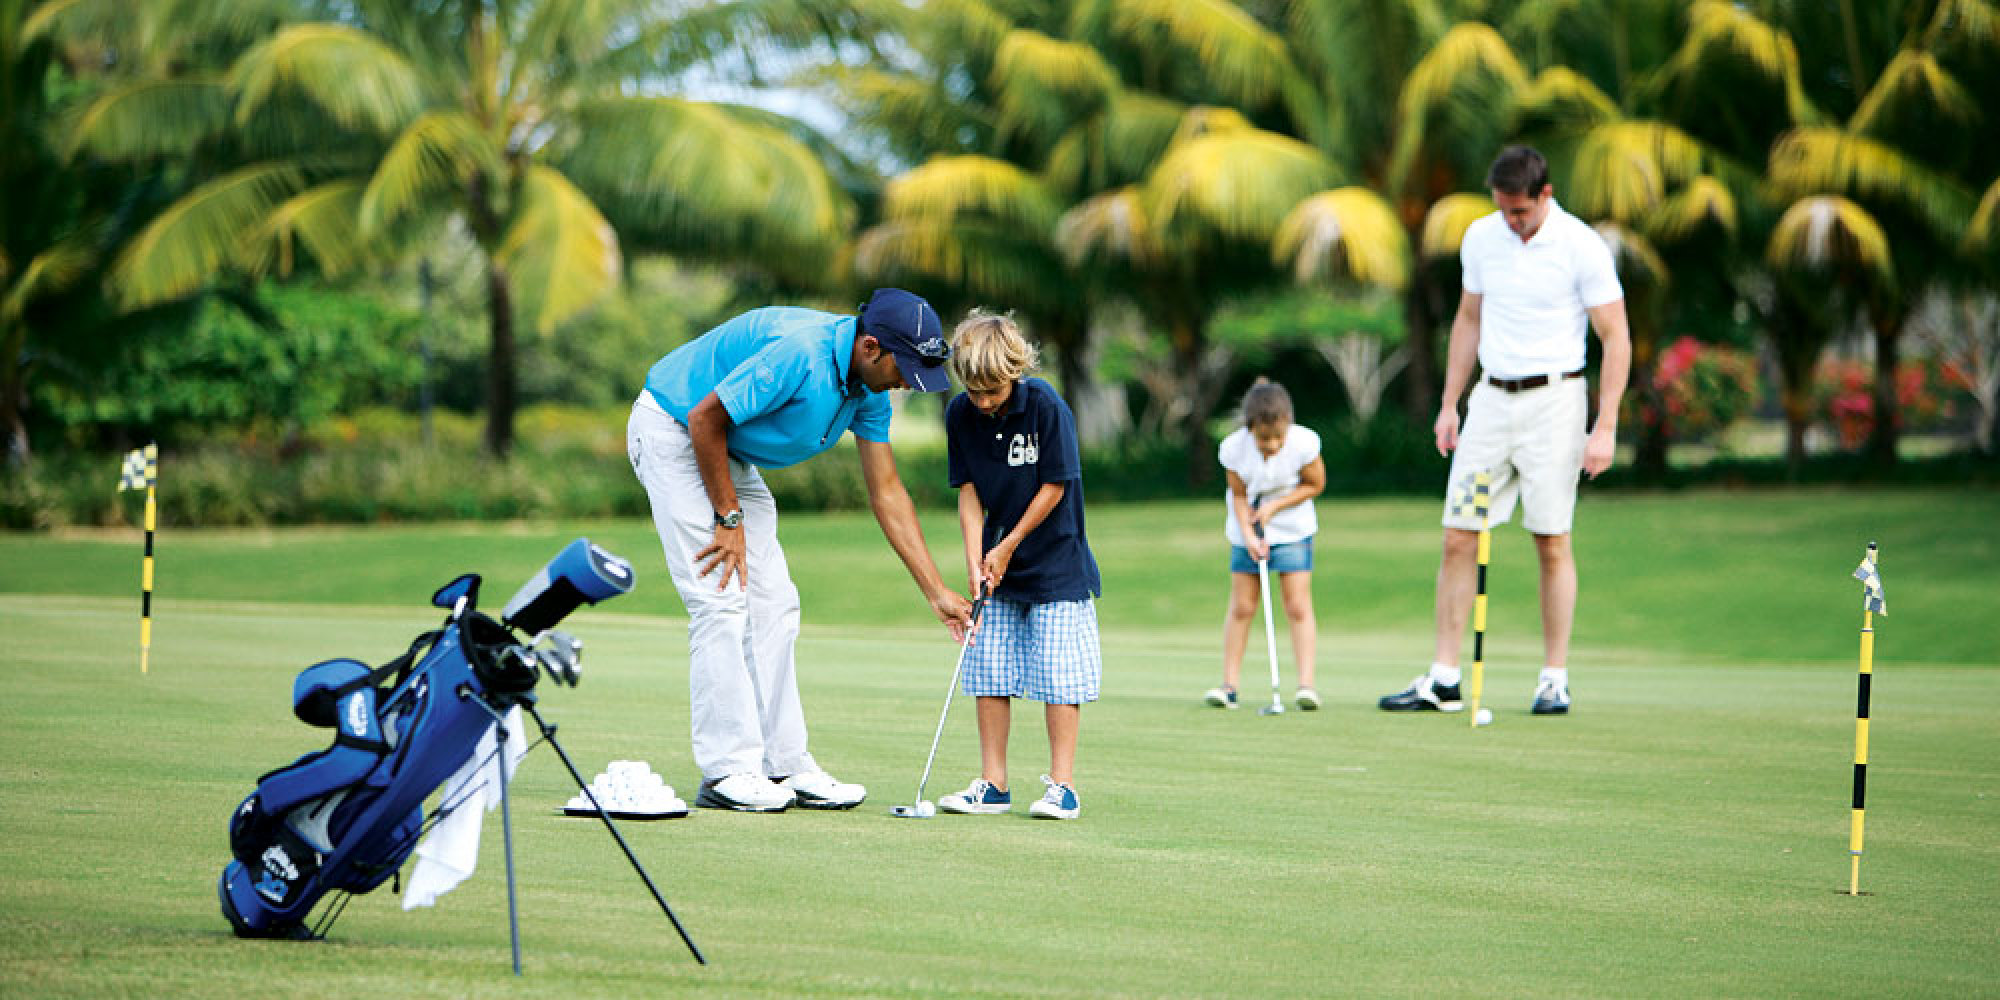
x: 1481, y: 503
x: 1270, y: 631
x: 949, y: 691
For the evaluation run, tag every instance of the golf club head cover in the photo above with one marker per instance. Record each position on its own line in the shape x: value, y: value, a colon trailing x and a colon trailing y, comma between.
x: 580, y: 573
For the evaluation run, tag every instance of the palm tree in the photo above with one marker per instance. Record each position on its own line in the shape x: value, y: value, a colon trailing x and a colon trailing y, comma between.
x: 533, y: 124
x: 1350, y: 234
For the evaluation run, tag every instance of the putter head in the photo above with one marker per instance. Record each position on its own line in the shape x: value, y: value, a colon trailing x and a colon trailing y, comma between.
x: 924, y: 809
x: 1274, y: 708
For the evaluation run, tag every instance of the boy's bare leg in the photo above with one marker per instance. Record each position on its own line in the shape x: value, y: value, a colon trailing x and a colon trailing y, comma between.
x: 995, y: 714
x: 1297, y: 588
x: 1062, y: 720
x: 1236, y: 626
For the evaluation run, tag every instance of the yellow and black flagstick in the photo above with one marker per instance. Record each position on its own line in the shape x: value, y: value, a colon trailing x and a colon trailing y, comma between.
x: 1482, y: 506
x: 142, y: 468
x: 1872, y: 603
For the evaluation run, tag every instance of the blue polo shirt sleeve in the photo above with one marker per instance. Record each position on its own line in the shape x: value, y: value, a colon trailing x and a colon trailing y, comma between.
x: 1059, y: 460
x: 954, y: 432
x: 765, y: 380
x: 871, y: 418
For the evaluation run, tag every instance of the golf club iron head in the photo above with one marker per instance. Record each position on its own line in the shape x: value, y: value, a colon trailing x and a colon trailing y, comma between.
x: 561, y: 655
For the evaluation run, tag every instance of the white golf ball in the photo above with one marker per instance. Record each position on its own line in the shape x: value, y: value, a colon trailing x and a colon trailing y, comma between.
x: 1484, y: 718
x: 926, y: 809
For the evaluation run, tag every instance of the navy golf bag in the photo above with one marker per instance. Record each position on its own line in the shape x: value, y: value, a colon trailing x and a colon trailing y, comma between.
x: 344, y: 819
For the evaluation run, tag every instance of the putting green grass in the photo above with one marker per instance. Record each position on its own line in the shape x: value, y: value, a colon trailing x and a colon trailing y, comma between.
x: 1682, y: 834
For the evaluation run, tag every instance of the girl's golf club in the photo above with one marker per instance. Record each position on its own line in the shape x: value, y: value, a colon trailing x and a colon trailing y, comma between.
x: 923, y: 808
x: 1277, y: 705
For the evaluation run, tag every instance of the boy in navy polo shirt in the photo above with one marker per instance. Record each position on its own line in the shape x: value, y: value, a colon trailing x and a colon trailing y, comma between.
x: 1020, y: 504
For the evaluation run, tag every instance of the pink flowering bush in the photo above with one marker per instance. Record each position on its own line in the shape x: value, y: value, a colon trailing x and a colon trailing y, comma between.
x: 1844, y: 395
x: 1702, y: 389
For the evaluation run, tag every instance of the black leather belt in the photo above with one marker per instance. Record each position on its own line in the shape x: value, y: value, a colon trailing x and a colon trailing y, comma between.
x: 1531, y: 382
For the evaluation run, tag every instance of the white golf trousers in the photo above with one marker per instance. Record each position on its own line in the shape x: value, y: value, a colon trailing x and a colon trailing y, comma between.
x: 742, y: 687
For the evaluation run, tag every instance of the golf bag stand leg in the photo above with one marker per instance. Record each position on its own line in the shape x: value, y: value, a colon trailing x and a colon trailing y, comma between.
x: 549, y: 734
x: 506, y: 824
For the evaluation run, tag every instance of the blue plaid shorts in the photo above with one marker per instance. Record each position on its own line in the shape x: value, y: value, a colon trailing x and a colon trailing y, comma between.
x: 1047, y: 652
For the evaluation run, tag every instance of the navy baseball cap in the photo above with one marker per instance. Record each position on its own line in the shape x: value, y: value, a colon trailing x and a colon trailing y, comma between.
x: 911, y: 330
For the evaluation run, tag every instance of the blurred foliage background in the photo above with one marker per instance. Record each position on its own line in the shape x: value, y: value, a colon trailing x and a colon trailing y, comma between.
x: 388, y: 259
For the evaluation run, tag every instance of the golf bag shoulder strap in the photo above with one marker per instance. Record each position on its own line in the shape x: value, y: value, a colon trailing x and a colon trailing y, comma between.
x: 321, y: 689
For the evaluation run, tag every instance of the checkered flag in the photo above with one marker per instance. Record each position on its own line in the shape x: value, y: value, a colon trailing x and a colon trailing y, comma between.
x: 1871, y: 585
x: 140, y: 469
x: 1472, y: 496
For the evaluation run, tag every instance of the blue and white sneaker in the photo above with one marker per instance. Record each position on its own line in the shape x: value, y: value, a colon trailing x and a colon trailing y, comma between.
x: 1059, y: 802
x: 1551, y: 699
x: 980, y: 798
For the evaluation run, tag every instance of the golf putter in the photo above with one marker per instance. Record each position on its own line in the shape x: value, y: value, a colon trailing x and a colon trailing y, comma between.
x: 1277, y: 705
x: 921, y: 809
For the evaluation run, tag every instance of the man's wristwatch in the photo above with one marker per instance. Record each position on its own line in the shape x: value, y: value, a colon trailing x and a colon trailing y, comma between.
x: 733, y: 519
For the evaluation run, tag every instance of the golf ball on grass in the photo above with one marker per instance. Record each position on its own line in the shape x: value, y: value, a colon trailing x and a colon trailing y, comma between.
x: 1484, y: 718
x: 926, y: 809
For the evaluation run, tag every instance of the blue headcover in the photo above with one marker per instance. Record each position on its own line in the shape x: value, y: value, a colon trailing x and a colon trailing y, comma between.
x: 581, y: 572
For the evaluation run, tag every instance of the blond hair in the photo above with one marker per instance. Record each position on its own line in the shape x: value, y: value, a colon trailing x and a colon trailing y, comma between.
x: 987, y: 350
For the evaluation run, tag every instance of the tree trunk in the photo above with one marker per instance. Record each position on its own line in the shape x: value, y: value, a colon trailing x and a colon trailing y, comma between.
x: 1797, y: 402
x: 1649, y: 458
x: 1420, y: 317
x: 14, y: 397
x: 499, y: 362
x: 1887, y: 429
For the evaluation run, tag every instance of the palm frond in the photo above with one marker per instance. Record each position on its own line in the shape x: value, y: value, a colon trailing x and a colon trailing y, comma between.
x: 196, y: 237
x: 1820, y: 159
x: 984, y: 261
x: 1446, y: 222
x: 1118, y: 146
x: 1974, y: 22
x: 1825, y: 234
x: 431, y: 159
x: 1208, y: 119
x: 1110, y: 229
x: 1471, y: 64
x: 1633, y: 256
x: 1243, y: 59
x: 1622, y: 169
x: 1045, y: 83
x: 652, y: 161
x: 908, y: 107
x: 147, y: 117
x: 323, y: 219
x: 357, y: 80
x: 966, y: 25
x: 1913, y: 78
x: 1719, y: 29
x: 1239, y: 184
x: 1700, y: 202
x: 1564, y: 96
x: 947, y: 187
x: 561, y: 253
x: 1348, y: 231
x: 48, y: 272
x: 1983, y: 232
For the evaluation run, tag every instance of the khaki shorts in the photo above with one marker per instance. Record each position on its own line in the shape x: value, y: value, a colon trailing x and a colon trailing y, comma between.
x: 1531, y: 444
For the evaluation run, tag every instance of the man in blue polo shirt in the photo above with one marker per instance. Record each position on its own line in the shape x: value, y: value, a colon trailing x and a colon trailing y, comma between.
x: 771, y: 388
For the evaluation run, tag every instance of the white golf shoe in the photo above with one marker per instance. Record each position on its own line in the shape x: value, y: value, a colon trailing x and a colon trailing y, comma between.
x: 819, y: 790
x: 744, y: 793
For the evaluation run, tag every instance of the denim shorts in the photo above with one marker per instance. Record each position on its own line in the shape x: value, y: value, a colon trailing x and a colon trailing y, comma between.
x: 1289, y: 557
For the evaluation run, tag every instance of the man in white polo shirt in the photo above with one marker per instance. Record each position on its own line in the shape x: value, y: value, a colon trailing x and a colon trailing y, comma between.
x: 1533, y: 276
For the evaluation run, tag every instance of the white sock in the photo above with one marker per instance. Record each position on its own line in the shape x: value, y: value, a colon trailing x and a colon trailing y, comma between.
x: 1447, y: 676
x: 1557, y: 676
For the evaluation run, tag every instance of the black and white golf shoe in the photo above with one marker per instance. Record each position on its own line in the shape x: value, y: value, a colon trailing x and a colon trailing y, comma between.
x: 1551, y: 699
x: 1424, y: 694
x: 819, y: 790
x: 744, y: 793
